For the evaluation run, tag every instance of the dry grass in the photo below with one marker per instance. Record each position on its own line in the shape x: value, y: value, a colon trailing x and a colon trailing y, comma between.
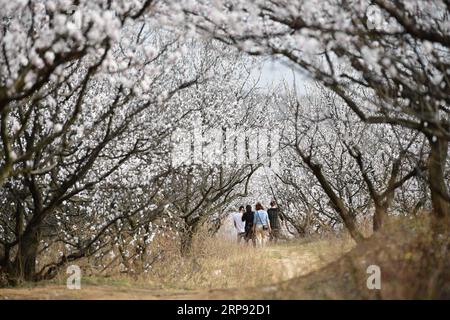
x: 414, y: 263
x: 221, y: 264
x: 215, y: 263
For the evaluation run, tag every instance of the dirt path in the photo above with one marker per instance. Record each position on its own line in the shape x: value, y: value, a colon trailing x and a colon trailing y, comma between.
x: 97, y: 292
x: 291, y: 260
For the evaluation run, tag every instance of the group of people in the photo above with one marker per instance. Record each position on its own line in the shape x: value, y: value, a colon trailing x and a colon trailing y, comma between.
x: 258, y: 226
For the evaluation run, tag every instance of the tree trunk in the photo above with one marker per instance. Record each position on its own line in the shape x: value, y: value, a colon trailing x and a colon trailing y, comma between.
x: 337, y: 203
x: 191, y: 228
x: 186, y: 243
x: 24, y: 267
x: 379, y: 217
x: 436, y: 176
x: 350, y: 224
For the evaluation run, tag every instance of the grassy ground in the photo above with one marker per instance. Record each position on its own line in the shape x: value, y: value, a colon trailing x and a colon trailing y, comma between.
x: 413, y: 259
x: 218, y: 271
x: 414, y: 264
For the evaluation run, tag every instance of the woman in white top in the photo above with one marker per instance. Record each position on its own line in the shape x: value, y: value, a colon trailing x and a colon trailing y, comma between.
x: 239, y: 224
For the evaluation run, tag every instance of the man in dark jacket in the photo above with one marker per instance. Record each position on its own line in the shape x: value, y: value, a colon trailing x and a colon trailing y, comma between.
x: 248, y: 217
x: 274, y: 218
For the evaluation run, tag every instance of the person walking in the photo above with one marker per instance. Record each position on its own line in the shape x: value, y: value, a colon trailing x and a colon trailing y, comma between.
x: 261, y: 225
x: 239, y: 224
x: 274, y: 218
x: 248, y: 217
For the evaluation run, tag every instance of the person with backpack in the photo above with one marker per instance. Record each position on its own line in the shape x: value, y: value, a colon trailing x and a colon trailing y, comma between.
x: 261, y: 225
x: 248, y: 217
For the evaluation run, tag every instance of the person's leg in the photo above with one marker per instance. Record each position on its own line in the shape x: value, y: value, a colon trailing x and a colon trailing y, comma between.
x: 252, y: 236
x: 263, y: 237
x: 275, y: 233
x: 259, y: 236
x: 270, y: 237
